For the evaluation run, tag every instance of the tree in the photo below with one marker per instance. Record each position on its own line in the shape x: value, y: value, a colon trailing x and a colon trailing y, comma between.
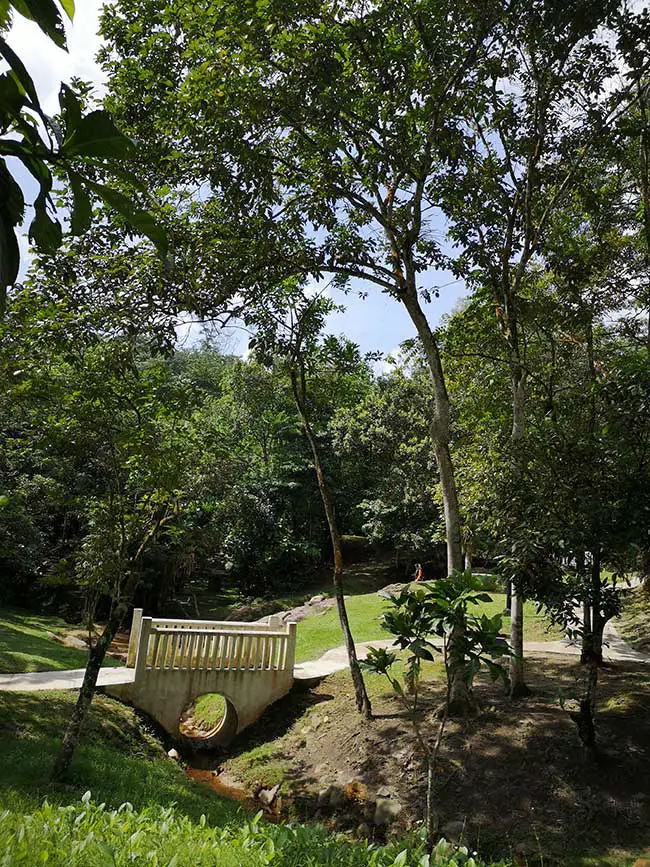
x: 104, y: 418
x: 315, y: 135
x: 290, y: 330
x: 544, y: 105
x: 439, y: 609
x: 76, y: 146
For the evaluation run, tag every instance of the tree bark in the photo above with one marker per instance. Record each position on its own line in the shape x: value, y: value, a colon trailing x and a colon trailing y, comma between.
x: 461, y: 698
x: 362, y: 700
x: 518, y: 687
x: 87, y: 692
x: 592, y: 644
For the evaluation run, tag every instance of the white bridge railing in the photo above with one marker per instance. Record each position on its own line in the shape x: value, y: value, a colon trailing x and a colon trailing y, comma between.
x: 159, y: 644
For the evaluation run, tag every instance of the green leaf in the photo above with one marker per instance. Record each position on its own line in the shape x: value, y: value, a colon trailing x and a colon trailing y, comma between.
x: 44, y: 232
x: 70, y: 106
x: 141, y: 221
x: 22, y: 76
x: 12, y: 206
x: 46, y: 14
x: 12, y: 98
x: 68, y: 8
x: 97, y: 136
x: 82, y: 210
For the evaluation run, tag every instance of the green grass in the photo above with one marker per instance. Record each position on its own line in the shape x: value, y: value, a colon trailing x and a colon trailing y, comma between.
x: 209, y: 710
x: 321, y: 632
x: 25, y: 645
x: 634, y: 622
x: 140, y: 807
x: 89, y: 835
x: 117, y: 760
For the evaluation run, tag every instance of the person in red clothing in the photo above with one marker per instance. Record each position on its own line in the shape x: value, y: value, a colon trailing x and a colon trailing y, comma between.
x: 418, y: 572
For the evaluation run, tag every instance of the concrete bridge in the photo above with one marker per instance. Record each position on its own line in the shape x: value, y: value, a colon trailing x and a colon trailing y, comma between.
x: 176, y: 661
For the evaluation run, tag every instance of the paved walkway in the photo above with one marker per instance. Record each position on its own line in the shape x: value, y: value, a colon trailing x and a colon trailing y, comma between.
x: 337, y: 658
x: 330, y: 662
x: 37, y: 680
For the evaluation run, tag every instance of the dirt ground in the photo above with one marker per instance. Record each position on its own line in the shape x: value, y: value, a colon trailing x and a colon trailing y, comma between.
x: 514, y: 779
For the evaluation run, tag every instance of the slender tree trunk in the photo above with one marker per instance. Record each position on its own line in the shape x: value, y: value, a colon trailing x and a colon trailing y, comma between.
x: 518, y: 687
x: 461, y: 699
x: 592, y: 646
x: 508, y: 607
x: 361, y: 695
x: 87, y: 692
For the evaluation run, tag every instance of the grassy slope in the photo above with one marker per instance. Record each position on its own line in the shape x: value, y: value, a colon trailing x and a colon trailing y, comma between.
x: 25, y: 645
x: 634, y: 623
x: 320, y: 633
x: 119, y: 762
x: 117, y: 759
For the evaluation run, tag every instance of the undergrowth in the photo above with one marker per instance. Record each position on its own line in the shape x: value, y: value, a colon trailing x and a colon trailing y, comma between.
x: 87, y: 834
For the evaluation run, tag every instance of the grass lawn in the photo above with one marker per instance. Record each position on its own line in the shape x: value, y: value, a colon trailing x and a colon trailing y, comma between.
x: 25, y: 645
x: 634, y: 622
x: 117, y: 759
x: 322, y: 632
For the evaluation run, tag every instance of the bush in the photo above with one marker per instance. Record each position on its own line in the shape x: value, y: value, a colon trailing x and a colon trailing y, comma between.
x: 89, y: 835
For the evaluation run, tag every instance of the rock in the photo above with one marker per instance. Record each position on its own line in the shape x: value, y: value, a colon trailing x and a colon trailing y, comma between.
x: 391, y: 590
x: 363, y: 831
x: 267, y: 796
x: 386, y: 792
x: 336, y: 798
x: 316, y: 599
x: 453, y: 831
x: 386, y: 811
x: 174, y: 754
x: 355, y: 790
x: 323, y: 799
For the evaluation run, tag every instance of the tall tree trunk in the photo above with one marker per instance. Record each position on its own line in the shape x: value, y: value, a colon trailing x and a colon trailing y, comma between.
x: 461, y: 698
x: 87, y: 691
x: 361, y: 695
x: 518, y: 686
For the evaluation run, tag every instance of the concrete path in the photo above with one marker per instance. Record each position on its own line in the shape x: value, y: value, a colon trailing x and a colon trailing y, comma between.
x: 36, y: 680
x: 337, y: 658
x: 330, y: 662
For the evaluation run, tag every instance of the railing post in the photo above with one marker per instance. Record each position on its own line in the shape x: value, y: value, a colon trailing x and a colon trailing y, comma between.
x: 290, y: 657
x: 143, y: 647
x: 133, y: 637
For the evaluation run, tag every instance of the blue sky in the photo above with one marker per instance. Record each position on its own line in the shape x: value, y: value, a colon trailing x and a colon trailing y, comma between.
x: 375, y: 322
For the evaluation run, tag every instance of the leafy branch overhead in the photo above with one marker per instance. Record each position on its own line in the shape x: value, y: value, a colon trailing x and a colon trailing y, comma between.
x: 74, y: 147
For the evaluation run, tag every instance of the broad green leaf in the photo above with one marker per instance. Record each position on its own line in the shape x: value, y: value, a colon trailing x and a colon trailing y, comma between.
x: 141, y: 221
x: 71, y: 106
x: 82, y: 211
x: 97, y: 136
x: 68, y: 8
x: 18, y: 68
x: 46, y: 14
x: 44, y: 232
x: 12, y: 207
x: 12, y: 98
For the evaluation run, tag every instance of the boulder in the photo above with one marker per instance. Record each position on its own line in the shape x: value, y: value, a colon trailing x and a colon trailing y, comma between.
x: 267, y: 796
x: 174, y: 754
x: 386, y: 811
x: 391, y: 590
x: 453, y: 831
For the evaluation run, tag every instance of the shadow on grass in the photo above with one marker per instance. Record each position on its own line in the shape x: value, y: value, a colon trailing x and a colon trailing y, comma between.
x: 25, y: 646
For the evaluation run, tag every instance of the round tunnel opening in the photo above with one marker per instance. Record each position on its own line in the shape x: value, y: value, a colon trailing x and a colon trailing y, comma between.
x: 209, y: 720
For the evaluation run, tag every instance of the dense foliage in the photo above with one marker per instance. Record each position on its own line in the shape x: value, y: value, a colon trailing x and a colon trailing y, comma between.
x: 89, y: 835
